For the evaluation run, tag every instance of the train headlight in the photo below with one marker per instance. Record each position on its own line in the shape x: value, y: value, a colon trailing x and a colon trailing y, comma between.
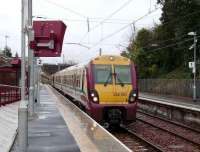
x: 111, y: 58
x: 95, y: 99
x: 132, y: 96
x: 94, y: 96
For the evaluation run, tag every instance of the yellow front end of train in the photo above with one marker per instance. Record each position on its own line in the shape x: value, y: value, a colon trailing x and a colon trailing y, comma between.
x: 112, y: 76
x: 115, y: 89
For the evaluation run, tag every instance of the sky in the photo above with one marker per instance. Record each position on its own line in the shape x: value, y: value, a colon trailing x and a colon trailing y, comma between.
x: 109, y: 24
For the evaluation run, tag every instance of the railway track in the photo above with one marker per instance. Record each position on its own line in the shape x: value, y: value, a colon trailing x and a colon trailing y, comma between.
x: 168, y: 135
x: 184, y: 132
x: 170, y: 121
x: 134, y: 141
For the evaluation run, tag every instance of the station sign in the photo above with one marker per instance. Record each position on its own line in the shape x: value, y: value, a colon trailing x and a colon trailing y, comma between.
x: 48, y: 38
x: 191, y: 65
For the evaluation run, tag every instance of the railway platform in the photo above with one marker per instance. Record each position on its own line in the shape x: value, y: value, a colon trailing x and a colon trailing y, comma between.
x: 179, y: 109
x: 59, y: 126
x: 8, y: 125
x: 180, y: 102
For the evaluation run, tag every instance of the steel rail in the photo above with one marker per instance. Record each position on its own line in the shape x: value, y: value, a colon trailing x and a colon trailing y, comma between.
x: 172, y: 133
x: 170, y: 121
x: 149, y: 144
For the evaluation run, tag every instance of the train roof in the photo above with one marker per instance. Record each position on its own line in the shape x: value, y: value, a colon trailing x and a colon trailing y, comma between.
x: 111, y: 57
x: 99, y: 59
x: 74, y: 67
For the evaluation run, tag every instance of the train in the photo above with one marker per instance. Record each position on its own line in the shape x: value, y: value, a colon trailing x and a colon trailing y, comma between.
x: 105, y: 87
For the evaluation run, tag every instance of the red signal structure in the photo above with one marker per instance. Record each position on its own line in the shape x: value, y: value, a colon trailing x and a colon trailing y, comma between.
x: 48, y: 38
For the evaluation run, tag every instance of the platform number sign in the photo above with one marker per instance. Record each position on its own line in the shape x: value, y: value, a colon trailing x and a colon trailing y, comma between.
x: 39, y: 62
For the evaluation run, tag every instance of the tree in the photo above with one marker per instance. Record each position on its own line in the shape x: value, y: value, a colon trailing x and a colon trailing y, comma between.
x: 179, y: 18
x: 7, y: 52
x: 164, y: 48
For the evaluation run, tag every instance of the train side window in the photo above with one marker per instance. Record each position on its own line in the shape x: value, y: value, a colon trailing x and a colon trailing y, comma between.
x: 71, y: 80
x: 77, y: 82
x: 67, y: 80
x: 83, y: 74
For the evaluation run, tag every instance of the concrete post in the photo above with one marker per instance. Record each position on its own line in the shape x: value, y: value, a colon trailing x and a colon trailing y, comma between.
x: 23, y: 110
x: 31, y: 73
x: 31, y: 60
x: 23, y: 126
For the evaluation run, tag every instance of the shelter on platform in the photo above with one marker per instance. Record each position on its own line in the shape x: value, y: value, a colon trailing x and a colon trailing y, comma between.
x: 10, y: 70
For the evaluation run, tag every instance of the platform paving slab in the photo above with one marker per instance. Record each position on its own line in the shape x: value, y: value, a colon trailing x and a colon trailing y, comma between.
x: 47, y: 130
x: 8, y: 125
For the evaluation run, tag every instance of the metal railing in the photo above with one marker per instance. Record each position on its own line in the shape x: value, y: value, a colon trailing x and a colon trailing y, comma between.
x: 9, y: 94
x: 177, y: 87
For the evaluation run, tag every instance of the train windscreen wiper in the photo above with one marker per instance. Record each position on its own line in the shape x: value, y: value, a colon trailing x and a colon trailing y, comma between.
x: 120, y: 81
x: 109, y: 76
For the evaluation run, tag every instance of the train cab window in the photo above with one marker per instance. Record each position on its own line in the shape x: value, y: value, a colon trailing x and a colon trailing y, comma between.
x: 123, y: 74
x: 103, y: 74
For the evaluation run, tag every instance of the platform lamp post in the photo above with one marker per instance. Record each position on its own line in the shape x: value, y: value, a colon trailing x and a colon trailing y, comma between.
x: 23, y: 107
x: 31, y: 60
x: 6, y: 45
x: 6, y: 40
x: 194, y: 34
x: 38, y: 80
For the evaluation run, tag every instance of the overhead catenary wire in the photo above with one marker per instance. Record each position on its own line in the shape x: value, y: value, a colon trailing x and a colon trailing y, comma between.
x: 171, y: 45
x: 121, y: 29
x: 108, y: 17
x: 86, y: 44
x: 162, y: 24
x: 170, y: 39
x: 65, y: 8
x: 126, y: 26
x: 109, y: 21
x: 159, y: 42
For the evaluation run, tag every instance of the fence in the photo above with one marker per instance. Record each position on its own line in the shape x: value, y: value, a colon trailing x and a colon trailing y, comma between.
x: 9, y: 94
x: 177, y: 87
